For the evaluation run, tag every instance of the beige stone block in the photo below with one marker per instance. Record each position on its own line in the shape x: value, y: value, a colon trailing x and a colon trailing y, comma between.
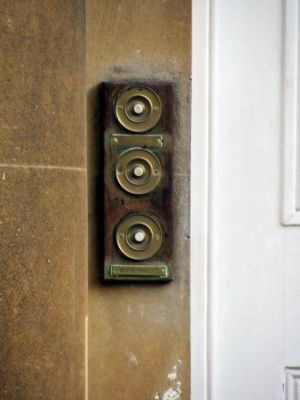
x: 42, y: 82
x: 139, y: 333
x: 42, y: 283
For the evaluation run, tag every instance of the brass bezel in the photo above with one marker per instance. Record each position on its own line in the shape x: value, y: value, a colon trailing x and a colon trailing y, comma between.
x: 124, y: 109
x: 137, y: 251
x: 150, y: 163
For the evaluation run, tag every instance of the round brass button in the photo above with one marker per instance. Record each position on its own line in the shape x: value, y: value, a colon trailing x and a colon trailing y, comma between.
x: 138, y: 109
x: 139, y: 237
x: 138, y: 171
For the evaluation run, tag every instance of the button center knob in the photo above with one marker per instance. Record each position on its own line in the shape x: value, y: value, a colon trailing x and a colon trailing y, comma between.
x: 138, y: 171
x: 139, y: 236
x: 138, y: 108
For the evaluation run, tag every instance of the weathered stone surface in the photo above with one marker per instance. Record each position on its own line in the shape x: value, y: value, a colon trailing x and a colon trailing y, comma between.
x: 43, y: 225
x: 139, y: 334
x: 42, y: 284
x: 42, y: 71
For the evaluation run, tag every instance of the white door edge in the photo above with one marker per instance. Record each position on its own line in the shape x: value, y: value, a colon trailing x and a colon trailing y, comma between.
x: 199, y: 196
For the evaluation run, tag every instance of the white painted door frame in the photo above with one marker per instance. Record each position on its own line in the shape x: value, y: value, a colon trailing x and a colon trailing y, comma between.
x: 199, y: 195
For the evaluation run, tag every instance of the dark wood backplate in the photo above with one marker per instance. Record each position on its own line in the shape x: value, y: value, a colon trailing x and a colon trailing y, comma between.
x: 118, y: 203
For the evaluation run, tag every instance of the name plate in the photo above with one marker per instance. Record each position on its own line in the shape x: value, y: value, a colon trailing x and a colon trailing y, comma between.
x: 154, y: 272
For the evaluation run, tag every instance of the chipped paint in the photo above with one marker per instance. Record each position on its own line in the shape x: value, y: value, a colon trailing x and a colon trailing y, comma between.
x: 174, y: 392
x: 172, y: 376
x: 133, y: 358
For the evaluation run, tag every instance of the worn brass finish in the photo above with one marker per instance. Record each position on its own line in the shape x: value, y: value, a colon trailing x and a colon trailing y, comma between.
x: 138, y: 169
x: 126, y: 237
x: 138, y: 109
x: 149, y: 272
x: 148, y: 141
x: 135, y: 160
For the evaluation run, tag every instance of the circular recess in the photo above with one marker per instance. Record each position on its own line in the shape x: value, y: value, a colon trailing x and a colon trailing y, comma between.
x: 138, y: 171
x: 138, y: 109
x: 139, y: 237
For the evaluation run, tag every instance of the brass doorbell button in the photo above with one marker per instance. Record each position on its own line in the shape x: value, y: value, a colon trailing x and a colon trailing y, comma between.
x: 139, y: 237
x: 138, y: 109
x: 138, y: 171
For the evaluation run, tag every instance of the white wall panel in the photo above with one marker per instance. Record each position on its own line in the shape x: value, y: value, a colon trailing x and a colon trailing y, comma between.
x: 291, y: 114
x: 254, y: 262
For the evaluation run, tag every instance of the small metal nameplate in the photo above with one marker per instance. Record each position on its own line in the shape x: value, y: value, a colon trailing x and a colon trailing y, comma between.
x: 123, y: 140
x: 140, y: 272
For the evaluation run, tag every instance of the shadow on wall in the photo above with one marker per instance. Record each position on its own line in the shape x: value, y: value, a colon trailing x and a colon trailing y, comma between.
x: 95, y: 183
